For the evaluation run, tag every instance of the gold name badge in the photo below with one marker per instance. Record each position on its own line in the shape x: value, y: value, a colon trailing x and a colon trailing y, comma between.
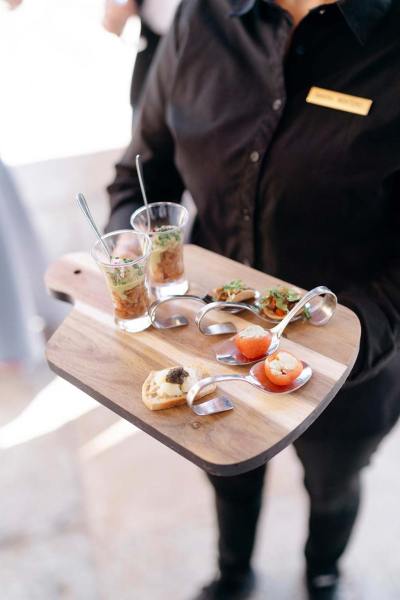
x: 338, y: 101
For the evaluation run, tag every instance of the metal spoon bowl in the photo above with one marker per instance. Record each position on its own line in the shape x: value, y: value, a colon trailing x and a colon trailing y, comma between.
x: 256, y: 378
x: 270, y: 319
x: 228, y: 353
x: 174, y: 320
x: 208, y: 298
x: 181, y: 320
x: 321, y: 312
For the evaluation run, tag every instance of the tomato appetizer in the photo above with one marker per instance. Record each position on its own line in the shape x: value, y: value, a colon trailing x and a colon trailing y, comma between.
x: 281, y: 368
x: 253, y: 342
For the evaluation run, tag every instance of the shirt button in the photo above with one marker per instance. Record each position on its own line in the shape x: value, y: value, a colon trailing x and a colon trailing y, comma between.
x: 246, y: 215
x: 322, y: 11
x: 300, y: 50
x: 254, y: 156
x: 277, y: 104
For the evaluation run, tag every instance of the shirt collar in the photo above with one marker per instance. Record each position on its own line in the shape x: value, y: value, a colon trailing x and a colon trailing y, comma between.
x: 362, y: 16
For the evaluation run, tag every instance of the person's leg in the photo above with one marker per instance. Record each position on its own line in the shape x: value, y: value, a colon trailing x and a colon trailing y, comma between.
x: 238, y: 504
x: 332, y: 479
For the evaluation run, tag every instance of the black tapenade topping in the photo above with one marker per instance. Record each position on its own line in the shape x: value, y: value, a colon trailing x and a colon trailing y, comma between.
x: 176, y: 375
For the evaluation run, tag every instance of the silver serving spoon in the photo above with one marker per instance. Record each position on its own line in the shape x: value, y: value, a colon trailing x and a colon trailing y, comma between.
x: 180, y: 320
x: 320, y: 313
x: 227, y: 352
x: 256, y: 378
x: 142, y: 188
x: 173, y: 321
x: 81, y: 200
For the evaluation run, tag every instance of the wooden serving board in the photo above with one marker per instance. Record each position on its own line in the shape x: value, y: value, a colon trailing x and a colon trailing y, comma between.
x: 110, y: 365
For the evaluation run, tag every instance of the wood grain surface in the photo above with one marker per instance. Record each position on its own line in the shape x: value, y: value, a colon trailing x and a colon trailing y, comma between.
x: 110, y: 365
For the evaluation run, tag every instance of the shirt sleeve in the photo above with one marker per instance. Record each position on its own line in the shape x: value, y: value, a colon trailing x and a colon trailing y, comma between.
x: 377, y: 305
x: 152, y: 139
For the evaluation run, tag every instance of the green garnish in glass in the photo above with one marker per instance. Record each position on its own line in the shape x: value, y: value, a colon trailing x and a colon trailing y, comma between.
x: 165, y: 235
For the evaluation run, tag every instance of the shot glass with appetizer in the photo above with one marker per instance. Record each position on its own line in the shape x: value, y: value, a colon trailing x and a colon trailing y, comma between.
x: 126, y: 276
x: 165, y: 223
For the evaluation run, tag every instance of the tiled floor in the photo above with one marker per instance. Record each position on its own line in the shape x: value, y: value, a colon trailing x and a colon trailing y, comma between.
x: 93, y: 509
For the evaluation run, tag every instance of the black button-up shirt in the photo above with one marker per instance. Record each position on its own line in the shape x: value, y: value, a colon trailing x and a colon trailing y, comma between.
x: 305, y: 193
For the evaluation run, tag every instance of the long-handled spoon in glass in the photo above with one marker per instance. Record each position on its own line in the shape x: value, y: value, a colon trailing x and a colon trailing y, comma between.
x: 81, y: 200
x: 142, y: 188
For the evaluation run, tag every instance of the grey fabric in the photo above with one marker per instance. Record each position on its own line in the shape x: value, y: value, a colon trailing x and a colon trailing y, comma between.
x: 23, y: 297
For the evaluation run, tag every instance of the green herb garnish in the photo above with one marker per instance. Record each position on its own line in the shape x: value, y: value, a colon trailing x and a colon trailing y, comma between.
x: 121, y: 275
x: 283, y: 296
x: 166, y: 234
x: 122, y: 259
x: 235, y: 284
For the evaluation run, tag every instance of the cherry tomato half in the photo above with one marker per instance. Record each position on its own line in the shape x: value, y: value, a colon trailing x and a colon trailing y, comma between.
x: 281, y: 368
x: 253, y: 347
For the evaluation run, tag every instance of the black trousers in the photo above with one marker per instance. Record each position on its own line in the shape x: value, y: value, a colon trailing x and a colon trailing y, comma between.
x: 332, y: 479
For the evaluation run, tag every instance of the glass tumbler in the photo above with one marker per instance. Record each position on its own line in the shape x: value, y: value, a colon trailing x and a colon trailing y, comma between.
x: 126, y: 276
x: 165, y: 223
